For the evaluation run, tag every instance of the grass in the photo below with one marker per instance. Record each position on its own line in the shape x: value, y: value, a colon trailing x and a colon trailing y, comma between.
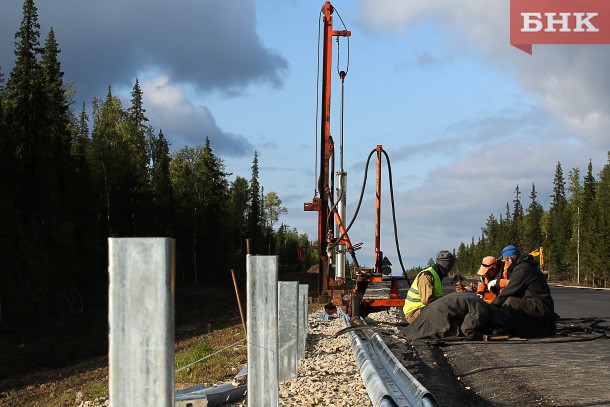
x: 89, y: 380
x: 218, y: 367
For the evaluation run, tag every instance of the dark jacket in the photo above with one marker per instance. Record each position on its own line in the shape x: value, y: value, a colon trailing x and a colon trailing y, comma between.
x: 527, y: 281
x: 459, y: 314
x: 527, y: 298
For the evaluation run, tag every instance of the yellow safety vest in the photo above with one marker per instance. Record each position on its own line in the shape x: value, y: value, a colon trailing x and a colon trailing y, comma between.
x: 413, y: 300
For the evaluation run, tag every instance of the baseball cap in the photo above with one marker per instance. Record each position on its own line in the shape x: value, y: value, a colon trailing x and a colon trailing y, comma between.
x: 487, y: 263
x: 509, y: 251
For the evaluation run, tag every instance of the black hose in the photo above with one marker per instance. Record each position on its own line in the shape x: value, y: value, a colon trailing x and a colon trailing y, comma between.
x: 461, y: 341
x: 366, y: 170
x: 404, y: 272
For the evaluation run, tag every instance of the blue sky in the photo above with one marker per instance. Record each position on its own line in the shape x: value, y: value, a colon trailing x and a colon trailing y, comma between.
x: 463, y: 115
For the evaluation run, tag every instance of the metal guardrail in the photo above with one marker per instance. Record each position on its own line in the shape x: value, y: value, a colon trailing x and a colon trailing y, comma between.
x: 387, y: 381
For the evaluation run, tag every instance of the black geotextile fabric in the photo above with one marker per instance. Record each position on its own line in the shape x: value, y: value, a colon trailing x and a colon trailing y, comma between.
x: 460, y: 314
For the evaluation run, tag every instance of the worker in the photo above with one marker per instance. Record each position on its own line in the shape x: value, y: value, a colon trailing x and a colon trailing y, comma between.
x: 490, y: 274
x: 458, y: 315
x: 428, y: 285
x: 527, y: 296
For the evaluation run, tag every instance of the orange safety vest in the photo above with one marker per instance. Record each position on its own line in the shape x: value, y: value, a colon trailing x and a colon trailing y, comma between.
x: 488, y: 296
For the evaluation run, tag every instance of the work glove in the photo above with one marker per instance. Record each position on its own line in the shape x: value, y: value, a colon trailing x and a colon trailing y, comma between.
x: 491, y: 284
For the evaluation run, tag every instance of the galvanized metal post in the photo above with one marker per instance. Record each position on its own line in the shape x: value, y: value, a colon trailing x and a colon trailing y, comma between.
x: 141, y: 318
x: 340, y: 256
x: 303, y: 326
x: 288, y: 329
x: 263, y: 384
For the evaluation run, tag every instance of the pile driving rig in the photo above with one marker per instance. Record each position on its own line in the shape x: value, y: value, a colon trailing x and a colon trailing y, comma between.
x: 331, y: 209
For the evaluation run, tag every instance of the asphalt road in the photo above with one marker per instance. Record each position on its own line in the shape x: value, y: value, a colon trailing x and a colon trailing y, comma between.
x: 525, y: 373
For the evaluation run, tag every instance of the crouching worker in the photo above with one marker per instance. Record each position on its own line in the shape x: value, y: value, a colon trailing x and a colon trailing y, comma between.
x: 457, y: 315
x: 527, y: 296
x: 428, y: 285
x: 490, y: 273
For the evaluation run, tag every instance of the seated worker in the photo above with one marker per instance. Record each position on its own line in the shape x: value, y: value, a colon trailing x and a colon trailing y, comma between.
x: 428, y: 285
x: 490, y: 273
x: 527, y: 296
x: 456, y: 315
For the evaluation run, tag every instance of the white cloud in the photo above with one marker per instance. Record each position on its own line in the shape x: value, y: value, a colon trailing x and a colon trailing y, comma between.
x: 569, y: 81
x: 185, y: 121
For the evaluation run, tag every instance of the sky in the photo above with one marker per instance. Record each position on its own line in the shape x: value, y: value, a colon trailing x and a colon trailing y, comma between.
x: 464, y: 116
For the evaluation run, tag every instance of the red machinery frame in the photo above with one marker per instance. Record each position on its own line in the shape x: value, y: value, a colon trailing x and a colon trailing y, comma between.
x: 356, y: 304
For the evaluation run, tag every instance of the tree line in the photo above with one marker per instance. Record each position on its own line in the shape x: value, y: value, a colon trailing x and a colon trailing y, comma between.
x: 574, y: 232
x: 69, y: 181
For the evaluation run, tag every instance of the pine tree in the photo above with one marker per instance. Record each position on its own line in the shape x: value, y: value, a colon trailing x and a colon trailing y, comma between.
x: 533, y: 223
x: 491, y: 236
x: 161, y: 186
x: 214, y: 215
x: 201, y: 189
x: 255, y: 231
x: 24, y: 102
x: 559, y: 226
x: 6, y: 147
x: 517, y: 224
x: 575, y: 191
x: 81, y: 142
x: 137, y: 132
x: 588, y: 223
x: 602, y: 201
x: 137, y: 129
x: 239, y: 201
x: 186, y: 186
x: 58, y: 110
x: 506, y: 236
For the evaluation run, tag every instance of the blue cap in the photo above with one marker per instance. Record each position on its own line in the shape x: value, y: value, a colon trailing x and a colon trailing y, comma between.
x: 509, y: 251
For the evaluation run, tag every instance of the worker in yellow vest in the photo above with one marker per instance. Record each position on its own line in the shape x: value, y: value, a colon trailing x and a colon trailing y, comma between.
x: 428, y: 285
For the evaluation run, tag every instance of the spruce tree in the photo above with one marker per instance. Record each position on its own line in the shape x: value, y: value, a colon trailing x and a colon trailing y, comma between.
x: 186, y: 186
x: 24, y: 103
x: 588, y: 223
x: 517, y: 224
x: 161, y: 186
x: 214, y: 215
x: 239, y: 200
x: 6, y: 147
x: 255, y: 232
x: 81, y: 141
x: 491, y: 236
x: 559, y: 227
x: 137, y: 130
x: 602, y: 203
x: 137, y: 133
x: 533, y: 223
x: 58, y: 109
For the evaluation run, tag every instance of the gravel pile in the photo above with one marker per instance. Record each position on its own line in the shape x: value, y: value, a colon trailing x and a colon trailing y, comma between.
x: 328, y: 375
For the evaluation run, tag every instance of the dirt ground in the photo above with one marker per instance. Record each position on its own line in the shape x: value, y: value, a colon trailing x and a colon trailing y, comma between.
x: 55, y: 355
x: 52, y: 357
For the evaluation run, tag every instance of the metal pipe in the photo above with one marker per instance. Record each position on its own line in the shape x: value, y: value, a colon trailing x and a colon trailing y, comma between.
x: 340, y: 256
x: 387, y: 381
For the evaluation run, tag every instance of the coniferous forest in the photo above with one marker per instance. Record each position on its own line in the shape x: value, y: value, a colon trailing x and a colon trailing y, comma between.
x: 69, y: 181
x: 574, y: 232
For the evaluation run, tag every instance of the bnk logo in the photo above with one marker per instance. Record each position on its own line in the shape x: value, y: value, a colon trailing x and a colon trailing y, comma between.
x: 559, y: 22
x: 581, y: 22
